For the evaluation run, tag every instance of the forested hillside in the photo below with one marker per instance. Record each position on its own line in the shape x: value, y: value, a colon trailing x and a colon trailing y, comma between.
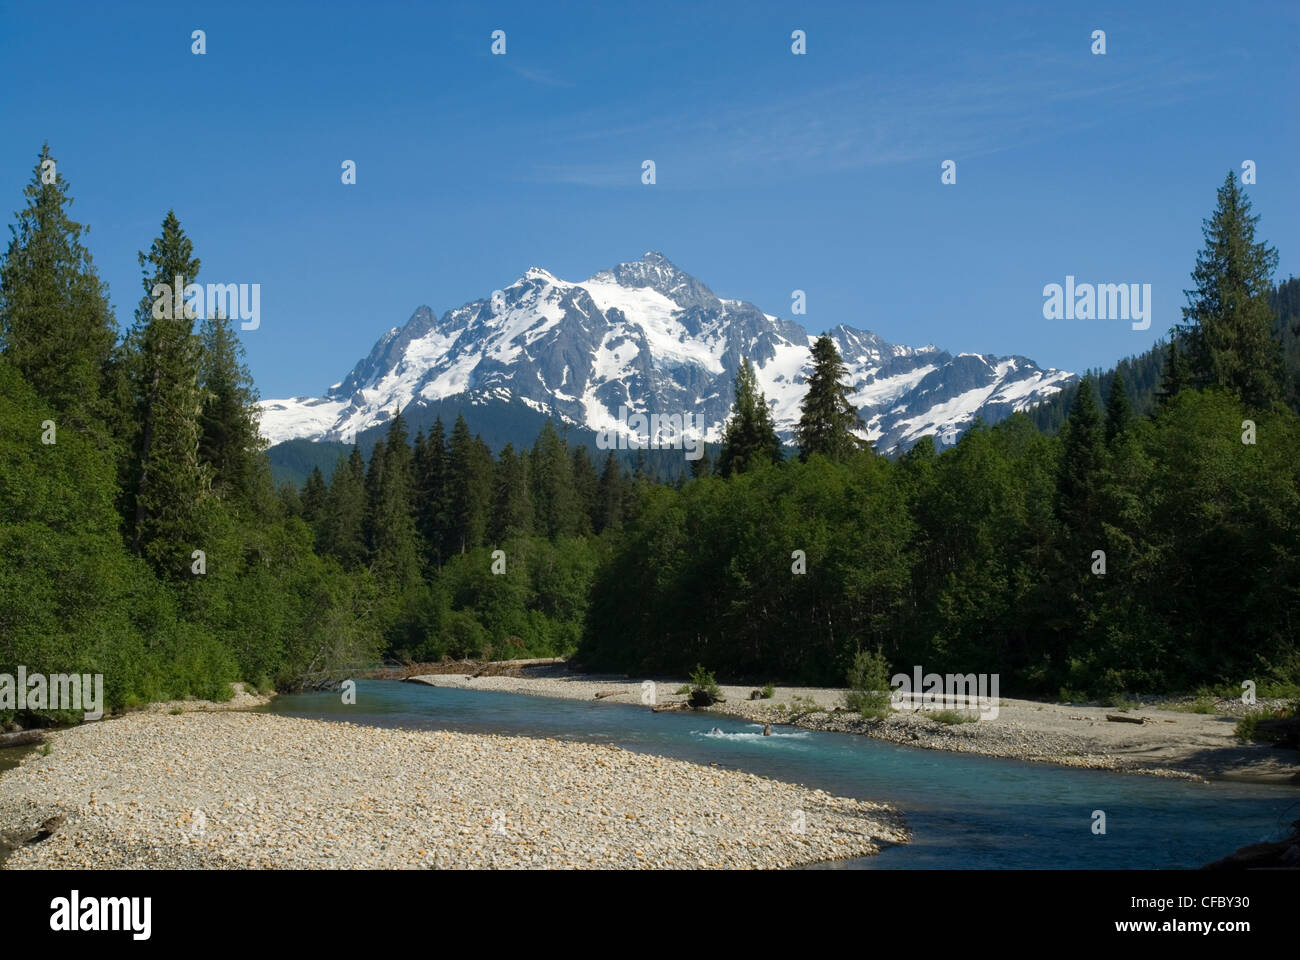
x: 1148, y: 543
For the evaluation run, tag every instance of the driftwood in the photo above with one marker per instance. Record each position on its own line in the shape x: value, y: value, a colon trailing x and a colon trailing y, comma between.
x: 667, y: 707
x: 1113, y: 718
x: 514, y: 664
x: 608, y: 693
x: 22, y: 738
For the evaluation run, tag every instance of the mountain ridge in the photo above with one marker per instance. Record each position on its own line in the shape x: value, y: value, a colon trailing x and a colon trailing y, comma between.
x: 647, y: 337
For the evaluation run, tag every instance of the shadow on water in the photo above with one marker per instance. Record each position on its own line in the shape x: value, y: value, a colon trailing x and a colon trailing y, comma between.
x: 965, y: 811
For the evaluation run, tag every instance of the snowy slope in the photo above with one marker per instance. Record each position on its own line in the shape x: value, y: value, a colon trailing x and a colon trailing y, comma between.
x: 653, y: 339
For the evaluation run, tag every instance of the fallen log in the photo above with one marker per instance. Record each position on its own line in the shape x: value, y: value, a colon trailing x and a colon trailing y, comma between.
x: 602, y: 694
x: 1113, y: 718
x: 665, y: 708
x: 22, y: 738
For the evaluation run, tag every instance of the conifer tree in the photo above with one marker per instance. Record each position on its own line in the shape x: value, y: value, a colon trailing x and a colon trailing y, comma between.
x: 468, y: 492
x: 585, y: 485
x: 394, y: 540
x: 1118, y: 411
x: 343, y: 521
x: 56, y: 326
x: 431, y: 494
x: 554, y: 497
x: 1228, y: 321
x: 1176, y: 374
x: 230, y: 443
x: 512, y: 506
x: 609, y: 496
x: 828, y: 418
x: 1079, y: 479
x: 314, y: 493
x: 169, y: 478
x: 749, y: 438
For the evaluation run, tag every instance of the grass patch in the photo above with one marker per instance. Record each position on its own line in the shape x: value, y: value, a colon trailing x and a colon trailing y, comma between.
x: 1199, y: 705
x: 951, y: 717
x: 683, y: 690
x: 768, y: 691
x: 47, y: 748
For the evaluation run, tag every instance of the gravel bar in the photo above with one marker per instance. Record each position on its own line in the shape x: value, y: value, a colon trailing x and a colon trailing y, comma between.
x: 255, y: 790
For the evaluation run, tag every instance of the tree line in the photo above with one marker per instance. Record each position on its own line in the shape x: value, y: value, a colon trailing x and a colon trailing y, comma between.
x: 141, y: 535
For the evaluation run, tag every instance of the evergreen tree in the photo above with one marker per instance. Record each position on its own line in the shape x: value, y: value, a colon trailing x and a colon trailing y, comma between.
x: 1078, y: 482
x: 314, y: 494
x: 230, y: 443
x: 343, y: 521
x: 1228, y: 320
x: 169, y: 477
x: 1176, y: 374
x: 828, y: 419
x: 585, y: 485
x: 1118, y: 411
x: 394, y: 540
x: 468, y: 492
x: 609, y: 496
x: 702, y: 466
x: 749, y: 438
x: 512, y: 507
x: 431, y: 493
x: 555, y: 500
x: 56, y: 327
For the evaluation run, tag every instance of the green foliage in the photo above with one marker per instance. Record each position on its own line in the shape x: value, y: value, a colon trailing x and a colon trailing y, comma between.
x: 868, y: 684
x: 748, y: 439
x: 704, y: 687
x: 827, y: 419
x: 1228, y: 322
x: 951, y: 717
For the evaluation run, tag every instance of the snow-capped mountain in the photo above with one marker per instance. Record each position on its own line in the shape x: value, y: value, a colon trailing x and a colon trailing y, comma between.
x: 649, y: 338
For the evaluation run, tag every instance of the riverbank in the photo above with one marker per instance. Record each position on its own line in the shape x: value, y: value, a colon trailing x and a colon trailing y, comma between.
x: 1168, y: 742
x: 255, y: 790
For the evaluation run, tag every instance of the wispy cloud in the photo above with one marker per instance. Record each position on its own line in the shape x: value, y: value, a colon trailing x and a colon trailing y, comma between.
x: 544, y: 77
x: 863, y: 122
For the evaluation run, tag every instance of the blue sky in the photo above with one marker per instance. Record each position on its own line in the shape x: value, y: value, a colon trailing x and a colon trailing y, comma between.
x: 775, y: 172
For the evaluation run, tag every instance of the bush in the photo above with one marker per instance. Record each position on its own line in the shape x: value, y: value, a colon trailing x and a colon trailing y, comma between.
x: 868, y: 680
x: 704, y: 688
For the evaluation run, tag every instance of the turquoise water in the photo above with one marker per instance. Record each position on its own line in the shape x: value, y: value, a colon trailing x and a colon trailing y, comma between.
x: 964, y: 811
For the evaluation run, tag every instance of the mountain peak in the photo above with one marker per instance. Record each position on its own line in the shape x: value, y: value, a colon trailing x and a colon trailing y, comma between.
x: 647, y: 336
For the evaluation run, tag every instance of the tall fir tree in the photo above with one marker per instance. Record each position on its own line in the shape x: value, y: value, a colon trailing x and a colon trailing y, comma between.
x: 1175, y: 373
x: 586, y: 483
x: 828, y: 418
x: 314, y: 493
x: 468, y: 492
x: 748, y: 439
x: 555, y: 500
x: 343, y: 519
x: 393, y: 538
x: 512, y: 506
x: 1118, y: 410
x: 1228, y: 321
x: 431, y: 494
x: 56, y: 326
x: 609, y: 496
x: 230, y: 443
x: 169, y: 477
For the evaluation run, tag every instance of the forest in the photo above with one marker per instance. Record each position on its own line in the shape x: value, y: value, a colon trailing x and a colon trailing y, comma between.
x: 1138, y: 533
